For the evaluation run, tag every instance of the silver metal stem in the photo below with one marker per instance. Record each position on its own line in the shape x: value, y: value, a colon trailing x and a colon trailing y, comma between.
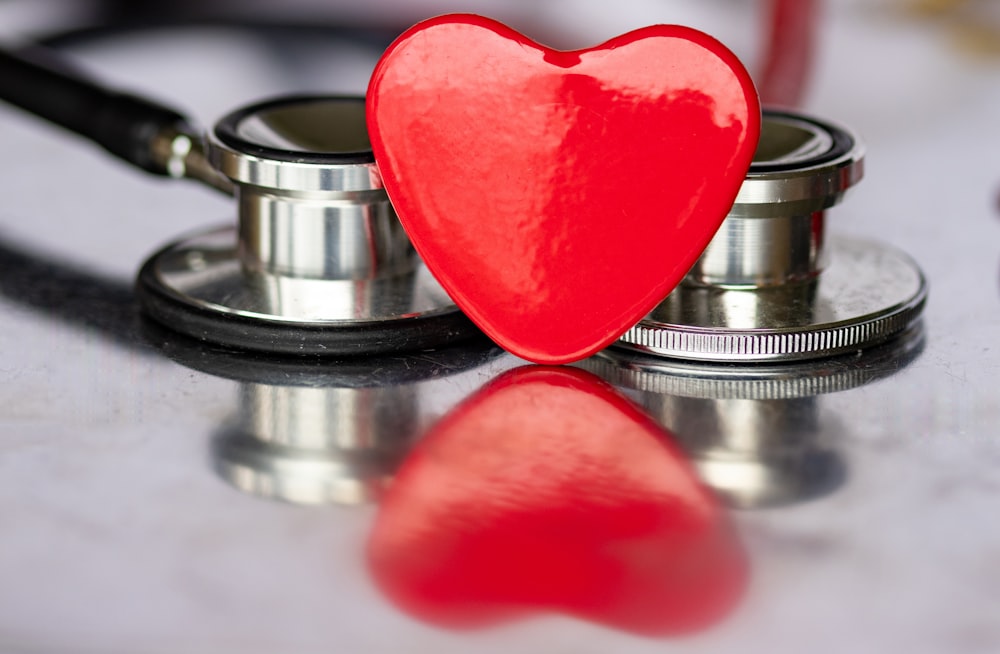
x: 774, y: 234
x: 760, y: 252
x: 322, y: 235
x: 311, y: 200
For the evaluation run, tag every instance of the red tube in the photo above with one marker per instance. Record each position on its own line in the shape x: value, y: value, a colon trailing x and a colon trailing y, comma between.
x: 789, y: 51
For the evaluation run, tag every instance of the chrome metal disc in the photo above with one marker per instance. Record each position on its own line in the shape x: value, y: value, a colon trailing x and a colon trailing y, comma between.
x: 197, y: 286
x: 869, y: 293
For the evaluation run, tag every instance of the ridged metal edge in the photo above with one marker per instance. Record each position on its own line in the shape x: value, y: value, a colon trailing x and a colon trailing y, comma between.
x: 703, y: 344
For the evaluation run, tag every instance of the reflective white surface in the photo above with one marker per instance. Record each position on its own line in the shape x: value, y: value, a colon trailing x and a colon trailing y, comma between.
x: 118, y: 536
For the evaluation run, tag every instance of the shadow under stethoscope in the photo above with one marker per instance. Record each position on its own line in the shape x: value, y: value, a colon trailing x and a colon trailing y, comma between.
x: 70, y: 294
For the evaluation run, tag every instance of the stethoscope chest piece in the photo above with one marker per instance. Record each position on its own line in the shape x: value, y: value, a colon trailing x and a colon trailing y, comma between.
x: 318, y: 263
x: 771, y: 286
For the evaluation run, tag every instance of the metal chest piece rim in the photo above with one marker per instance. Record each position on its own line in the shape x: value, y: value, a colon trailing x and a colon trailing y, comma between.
x: 772, y: 286
x: 318, y: 263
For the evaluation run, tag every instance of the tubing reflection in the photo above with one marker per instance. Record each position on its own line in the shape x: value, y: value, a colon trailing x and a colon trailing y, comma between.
x: 755, y: 433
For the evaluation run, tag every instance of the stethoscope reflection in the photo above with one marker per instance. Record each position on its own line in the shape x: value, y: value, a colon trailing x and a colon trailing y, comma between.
x: 545, y: 491
x: 756, y: 433
x: 316, y: 445
x: 318, y: 431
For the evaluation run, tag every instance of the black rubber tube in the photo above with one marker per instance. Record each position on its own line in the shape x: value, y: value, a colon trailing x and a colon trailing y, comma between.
x: 44, y: 83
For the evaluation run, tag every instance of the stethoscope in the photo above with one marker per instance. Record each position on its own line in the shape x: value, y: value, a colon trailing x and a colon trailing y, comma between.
x: 318, y: 263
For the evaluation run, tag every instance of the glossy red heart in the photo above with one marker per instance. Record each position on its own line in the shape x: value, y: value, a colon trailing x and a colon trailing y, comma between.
x: 559, y: 196
x: 548, y: 491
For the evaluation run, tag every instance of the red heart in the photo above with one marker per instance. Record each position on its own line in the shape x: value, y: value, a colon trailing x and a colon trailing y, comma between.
x: 559, y: 196
x: 548, y: 490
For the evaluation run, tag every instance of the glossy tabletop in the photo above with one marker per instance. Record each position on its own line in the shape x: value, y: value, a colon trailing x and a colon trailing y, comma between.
x: 162, y: 496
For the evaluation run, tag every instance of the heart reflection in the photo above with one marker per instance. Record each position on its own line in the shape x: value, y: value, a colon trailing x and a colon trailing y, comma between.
x: 548, y: 491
